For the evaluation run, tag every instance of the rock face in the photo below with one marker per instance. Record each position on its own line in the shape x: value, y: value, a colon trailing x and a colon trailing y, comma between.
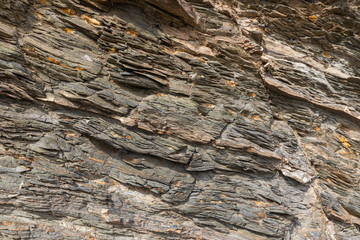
x: 174, y: 119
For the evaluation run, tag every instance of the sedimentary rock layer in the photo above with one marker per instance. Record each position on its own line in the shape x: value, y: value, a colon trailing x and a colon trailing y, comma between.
x: 174, y: 119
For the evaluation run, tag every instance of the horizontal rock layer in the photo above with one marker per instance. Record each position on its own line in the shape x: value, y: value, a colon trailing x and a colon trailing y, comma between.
x: 174, y: 119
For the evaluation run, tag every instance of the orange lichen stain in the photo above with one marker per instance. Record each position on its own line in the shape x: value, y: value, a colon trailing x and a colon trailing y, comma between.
x: 68, y: 11
x: 256, y: 117
x: 7, y: 223
x: 100, y: 182
x: 261, y: 204
x: 65, y: 65
x: 53, y: 60
x: 132, y: 33
x: 252, y: 94
x: 317, y: 129
x: 326, y: 54
x: 44, y: 2
x: 160, y: 132
x: 112, y: 50
x: 161, y: 94
x: 230, y: 83
x: 68, y: 30
x: 347, y: 145
x: 128, y: 137
x: 313, y: 18
x: 344, y: 142
x: 39, y: 15
x: 91, y: 20
x: 96, y: 160
x: 79, y: 68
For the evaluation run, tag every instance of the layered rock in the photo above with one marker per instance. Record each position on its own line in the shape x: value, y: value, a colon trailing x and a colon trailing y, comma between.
x: 174, y: 119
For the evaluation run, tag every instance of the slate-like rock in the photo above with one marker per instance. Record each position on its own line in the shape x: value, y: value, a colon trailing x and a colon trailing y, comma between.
x: 179, y: 119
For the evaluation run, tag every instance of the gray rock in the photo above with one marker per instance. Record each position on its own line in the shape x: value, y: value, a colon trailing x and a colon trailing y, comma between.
x: 174, y: 119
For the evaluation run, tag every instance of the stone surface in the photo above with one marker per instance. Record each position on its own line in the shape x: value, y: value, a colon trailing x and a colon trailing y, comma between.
x: 174, y: 119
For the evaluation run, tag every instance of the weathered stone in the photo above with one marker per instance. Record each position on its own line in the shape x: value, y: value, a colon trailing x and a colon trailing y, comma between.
x: 174, y: 119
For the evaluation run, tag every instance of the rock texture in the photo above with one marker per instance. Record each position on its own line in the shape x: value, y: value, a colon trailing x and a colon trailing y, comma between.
x: 174, y: 119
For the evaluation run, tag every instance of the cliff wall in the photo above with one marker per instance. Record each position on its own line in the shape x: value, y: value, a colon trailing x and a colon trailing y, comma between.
x: 174, y: 119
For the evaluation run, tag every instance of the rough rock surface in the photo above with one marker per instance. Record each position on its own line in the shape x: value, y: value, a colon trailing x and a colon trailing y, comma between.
x: 174, y: 119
